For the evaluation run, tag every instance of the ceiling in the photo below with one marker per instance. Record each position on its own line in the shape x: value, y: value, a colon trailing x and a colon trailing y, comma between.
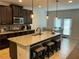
x: 62, y: 4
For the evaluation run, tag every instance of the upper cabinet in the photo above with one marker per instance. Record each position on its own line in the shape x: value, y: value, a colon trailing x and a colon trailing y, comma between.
x: 5, y: 15
x: 29, y: 19
x: 27, y: 16
x: 24, y: 16
x: 0, y: 14
x: 9, y: 13
x: 16, y: 10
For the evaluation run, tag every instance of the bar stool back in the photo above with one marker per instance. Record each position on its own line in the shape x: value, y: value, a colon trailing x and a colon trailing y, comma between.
x: 57, y: 44
x: 38, y: 52
x: 50, y: 50
x: 50, y: 47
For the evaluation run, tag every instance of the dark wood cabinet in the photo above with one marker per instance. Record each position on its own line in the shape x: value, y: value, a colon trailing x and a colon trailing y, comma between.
x: 5, y: 15
x: 4, y: 43
x: 13, y: 50
x: 20, y: 11
x: 29, y: 19
x: 27, y: 16
x: 24, y: 16
x: 16, y: 10
x: 0, y: 14
x: 9, y: 15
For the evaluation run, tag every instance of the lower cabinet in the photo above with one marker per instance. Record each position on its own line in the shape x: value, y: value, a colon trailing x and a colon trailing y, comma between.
x: 4, y: 43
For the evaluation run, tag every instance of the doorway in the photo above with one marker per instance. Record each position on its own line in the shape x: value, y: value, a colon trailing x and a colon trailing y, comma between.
x: 67, y: 22
x: 63, y: 26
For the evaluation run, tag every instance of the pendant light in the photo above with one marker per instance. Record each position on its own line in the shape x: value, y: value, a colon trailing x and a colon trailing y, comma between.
x: 32, y: 10
x: 39, y: 4
x: 56, y: 9
x: 20, y: 0
x: 47, y: 11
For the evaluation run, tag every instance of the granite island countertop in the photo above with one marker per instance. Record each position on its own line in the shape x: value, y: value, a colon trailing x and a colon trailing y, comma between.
x: 27, y: 40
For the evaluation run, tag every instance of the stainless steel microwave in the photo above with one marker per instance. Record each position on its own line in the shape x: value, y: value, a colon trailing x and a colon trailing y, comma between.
x: 18, y: 20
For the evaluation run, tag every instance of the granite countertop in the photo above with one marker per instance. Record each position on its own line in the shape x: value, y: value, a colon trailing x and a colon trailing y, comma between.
x: 8, y: 32
x: 27, y: 40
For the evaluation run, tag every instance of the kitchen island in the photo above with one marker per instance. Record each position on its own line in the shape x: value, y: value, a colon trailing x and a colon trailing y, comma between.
x: 20, y: 46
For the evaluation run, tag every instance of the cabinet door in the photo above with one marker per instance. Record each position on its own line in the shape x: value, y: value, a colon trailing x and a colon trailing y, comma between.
x: 24, y: 15
x: 29, y: 19
x: 3, y: 15
x: 27, y: 16
x: 0, y: 14
x: 8, y: 15
x: 20, y: 12
x: 15, y: 11
x: 4, y: 43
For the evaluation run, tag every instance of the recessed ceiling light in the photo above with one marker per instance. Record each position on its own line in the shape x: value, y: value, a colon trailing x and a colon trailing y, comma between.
x: 39, y: 6
x: 20, y: 0
x: 70, y: 1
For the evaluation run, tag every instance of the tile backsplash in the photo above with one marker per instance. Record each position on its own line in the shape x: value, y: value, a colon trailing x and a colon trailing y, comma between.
x: 13, y: 27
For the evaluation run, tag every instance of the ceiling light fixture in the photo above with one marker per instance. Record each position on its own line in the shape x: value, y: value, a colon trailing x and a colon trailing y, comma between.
x: 32, y: 10
x: 20, y: 0
x: 47, y: 11
x: 70, y: 1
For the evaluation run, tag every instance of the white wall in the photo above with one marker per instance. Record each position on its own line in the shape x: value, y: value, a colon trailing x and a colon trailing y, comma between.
x: 39, y: 19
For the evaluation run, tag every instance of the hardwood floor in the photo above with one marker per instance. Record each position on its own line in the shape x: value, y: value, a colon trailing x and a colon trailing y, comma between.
x: 75, y: 53
x: 67, y: 46
x: 4, y: 54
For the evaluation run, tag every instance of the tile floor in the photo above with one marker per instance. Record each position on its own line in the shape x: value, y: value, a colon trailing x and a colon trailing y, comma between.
x: 67, y: 46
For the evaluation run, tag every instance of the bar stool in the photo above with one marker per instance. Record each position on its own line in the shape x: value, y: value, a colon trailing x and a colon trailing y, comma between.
x: 38, y: 52
x: 50, y: 48
x: 57, y: 44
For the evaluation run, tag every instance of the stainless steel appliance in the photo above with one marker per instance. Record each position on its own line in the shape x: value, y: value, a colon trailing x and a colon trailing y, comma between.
x: 18, y: 20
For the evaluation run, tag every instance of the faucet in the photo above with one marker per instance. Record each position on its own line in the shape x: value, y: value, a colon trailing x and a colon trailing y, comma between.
x: 38, y: 30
